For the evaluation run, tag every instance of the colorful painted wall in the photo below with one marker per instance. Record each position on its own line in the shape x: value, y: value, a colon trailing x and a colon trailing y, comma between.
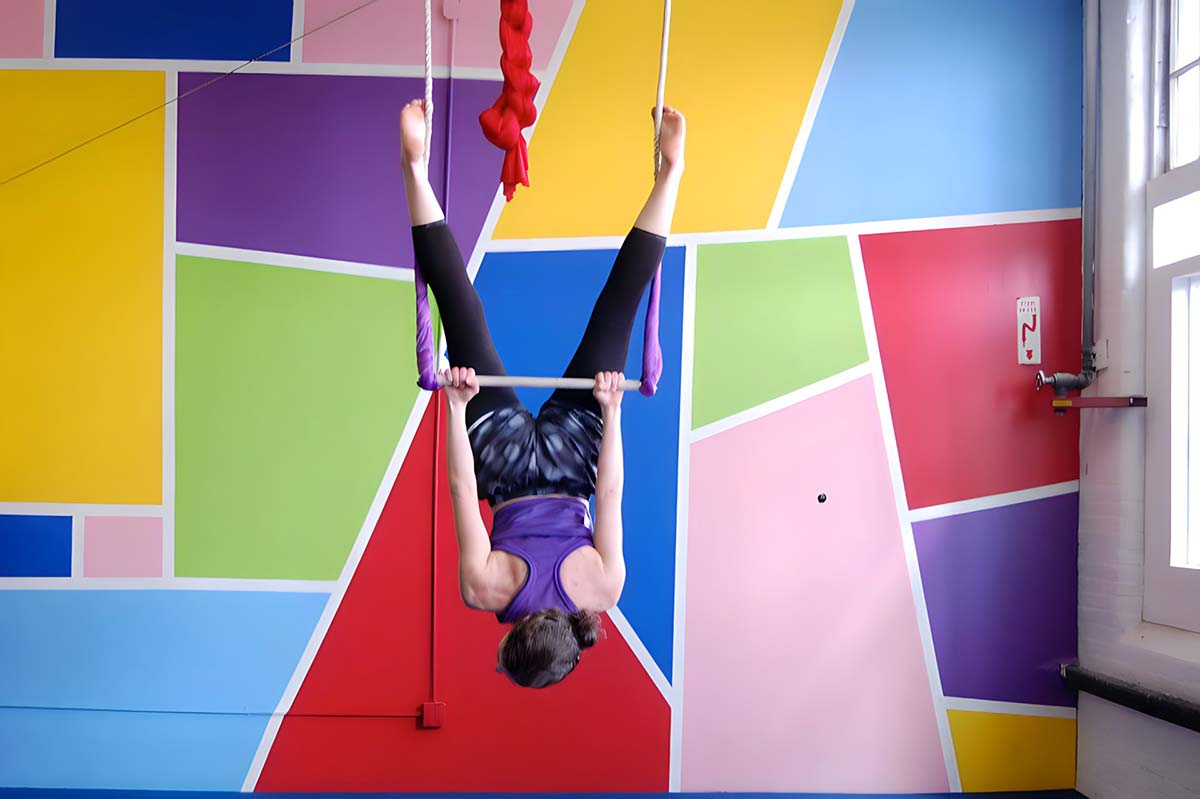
x: 218, y: 561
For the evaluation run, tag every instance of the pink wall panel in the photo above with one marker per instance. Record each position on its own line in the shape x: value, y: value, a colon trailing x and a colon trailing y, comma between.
x: 803, y: 661
x: 21, y: 28
x: 122, y: 546
x: 394, y: 32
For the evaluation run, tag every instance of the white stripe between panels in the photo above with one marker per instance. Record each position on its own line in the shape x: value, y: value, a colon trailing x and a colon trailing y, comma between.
x: 643, y: 654
x: 1010, y: 708
x: 791, y: 233
x: 993, y: 501
x: 165, y: 584
x: 901, y: 500
x: 296, y: 52
x: 810, y: 114
x: 559, y: 53
x: 295, y: 261
x: 779, y: 403
x: 73, y: 509
x: 565, y: 243
x: 254, y: 68
x: 49, y: 27
x: 170, y: 199
x: 76, y: 546
x: 686, y: 362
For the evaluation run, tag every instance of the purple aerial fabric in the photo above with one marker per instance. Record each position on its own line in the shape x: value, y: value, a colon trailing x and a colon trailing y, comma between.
x: 426, y: 367
x: 651, y: 350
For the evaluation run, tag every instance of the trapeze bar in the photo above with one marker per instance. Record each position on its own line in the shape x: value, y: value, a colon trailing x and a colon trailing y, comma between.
x: 516, y: 381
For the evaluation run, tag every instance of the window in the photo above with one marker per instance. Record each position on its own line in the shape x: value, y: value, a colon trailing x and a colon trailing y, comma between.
x: 1183, y: 90
x: 1185, y: 417
x: 1172, y: 572
x: 1175, y: 234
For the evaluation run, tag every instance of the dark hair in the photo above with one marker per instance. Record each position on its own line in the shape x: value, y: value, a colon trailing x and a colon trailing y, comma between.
x: 542, y: 648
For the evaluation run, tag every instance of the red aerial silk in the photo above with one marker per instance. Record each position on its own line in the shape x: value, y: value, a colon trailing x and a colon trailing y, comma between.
x: 514, y: 109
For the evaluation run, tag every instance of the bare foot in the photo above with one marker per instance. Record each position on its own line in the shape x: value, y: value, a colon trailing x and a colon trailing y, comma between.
x: 412, y: 132
x: 671, y: 137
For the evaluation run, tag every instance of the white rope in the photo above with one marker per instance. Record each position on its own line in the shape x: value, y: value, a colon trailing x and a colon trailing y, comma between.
x: 428, y: 79
x: 662, y: 84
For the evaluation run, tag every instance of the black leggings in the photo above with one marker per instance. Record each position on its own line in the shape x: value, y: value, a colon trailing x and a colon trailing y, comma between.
x: 605, y: 343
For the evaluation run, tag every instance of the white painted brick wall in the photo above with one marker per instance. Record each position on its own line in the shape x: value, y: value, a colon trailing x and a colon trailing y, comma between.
x: 1124, y: 754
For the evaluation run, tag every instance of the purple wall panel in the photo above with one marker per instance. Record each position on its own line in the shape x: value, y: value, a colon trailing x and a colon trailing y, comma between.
x: 310, y: 164
x: 1000, y: 586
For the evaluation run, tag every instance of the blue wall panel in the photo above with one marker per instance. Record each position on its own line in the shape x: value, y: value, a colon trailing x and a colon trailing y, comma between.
x: 150, y: 689
x: 538, y: 306
x: 211, y: 651
x: 946, y: 107
x: 233, y: 30
x: 35, y: 546
x: 96, y: 749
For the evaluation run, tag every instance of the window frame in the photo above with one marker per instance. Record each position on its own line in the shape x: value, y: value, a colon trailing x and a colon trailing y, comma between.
x: 1171, y: 594
x: 1170, y: 76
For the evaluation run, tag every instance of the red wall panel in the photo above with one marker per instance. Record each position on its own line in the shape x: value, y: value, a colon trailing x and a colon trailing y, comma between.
x: 968, y: 421
x: 604, y: 728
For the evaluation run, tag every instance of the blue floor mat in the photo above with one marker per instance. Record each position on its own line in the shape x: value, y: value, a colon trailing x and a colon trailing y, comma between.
x: 60, y: 793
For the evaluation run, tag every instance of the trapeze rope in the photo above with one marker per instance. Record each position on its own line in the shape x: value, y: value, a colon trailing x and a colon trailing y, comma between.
x: 502, y: 125
x: 428, y: 80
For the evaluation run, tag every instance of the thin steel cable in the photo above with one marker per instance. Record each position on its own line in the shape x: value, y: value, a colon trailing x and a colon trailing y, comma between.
x: 179, y: 97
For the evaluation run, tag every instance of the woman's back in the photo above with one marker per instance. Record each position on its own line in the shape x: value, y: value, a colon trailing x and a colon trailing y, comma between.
x: 542, y: 532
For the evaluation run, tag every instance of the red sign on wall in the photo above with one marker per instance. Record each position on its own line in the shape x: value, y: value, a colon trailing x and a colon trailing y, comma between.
x: 1029, y: 333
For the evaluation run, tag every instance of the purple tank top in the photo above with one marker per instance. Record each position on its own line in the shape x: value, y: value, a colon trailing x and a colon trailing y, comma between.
x: 542, y: 532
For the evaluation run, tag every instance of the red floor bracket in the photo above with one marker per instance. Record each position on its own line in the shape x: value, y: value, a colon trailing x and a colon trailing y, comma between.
x: 433, y: 715
x: 1061, y: 405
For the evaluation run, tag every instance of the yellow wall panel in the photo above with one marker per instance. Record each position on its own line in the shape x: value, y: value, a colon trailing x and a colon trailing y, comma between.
x: 81, y: 254
x: 1004, y: 752
x: 743, y: 78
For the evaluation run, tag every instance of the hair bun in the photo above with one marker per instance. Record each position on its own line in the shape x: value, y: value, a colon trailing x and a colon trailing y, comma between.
x: 587, y: 628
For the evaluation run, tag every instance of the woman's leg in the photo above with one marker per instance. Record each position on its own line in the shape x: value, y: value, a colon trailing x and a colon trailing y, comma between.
x: 605, y: 343
x: 443, y: 269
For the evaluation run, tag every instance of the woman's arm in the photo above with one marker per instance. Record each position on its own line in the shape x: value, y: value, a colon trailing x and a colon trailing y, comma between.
x: 655, y: 217
x: 476, y: 569
x: 610, y: 485
x: 474, y: 546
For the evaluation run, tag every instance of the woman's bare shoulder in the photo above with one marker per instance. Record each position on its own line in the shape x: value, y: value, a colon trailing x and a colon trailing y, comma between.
x: 583, y: 578
x: 503, y: 579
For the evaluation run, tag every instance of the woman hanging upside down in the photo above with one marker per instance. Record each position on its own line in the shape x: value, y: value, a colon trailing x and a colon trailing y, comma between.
x: 546, y: 569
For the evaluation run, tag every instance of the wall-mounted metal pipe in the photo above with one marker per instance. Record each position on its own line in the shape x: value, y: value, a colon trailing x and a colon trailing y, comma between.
x: 1091, y: 137
x: 1064, y: 382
